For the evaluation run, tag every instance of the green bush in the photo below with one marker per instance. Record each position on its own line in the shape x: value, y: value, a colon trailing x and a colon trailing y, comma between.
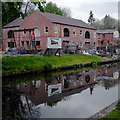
x: 94, y: 64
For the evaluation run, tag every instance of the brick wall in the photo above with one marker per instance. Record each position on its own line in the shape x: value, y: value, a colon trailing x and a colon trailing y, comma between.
x: 36, y: 20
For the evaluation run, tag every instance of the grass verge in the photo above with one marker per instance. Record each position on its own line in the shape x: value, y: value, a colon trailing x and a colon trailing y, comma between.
x: 115, y: 114
x: 12, y: 65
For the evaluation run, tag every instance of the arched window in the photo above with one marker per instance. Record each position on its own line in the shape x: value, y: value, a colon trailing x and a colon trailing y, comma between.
x: 87, y: 35
x: 10, y: 34
x: 87, y: 78
x: 66, y: 32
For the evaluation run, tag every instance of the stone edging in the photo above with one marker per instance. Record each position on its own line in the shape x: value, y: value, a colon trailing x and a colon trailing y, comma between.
x: 104, y: 111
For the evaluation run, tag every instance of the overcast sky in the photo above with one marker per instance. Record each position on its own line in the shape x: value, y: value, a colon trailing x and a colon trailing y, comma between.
x: 80, y: 9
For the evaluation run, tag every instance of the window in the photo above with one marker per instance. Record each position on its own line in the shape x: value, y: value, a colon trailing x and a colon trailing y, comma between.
x: 81, y: 33
x: 87, y: 78
x: 10, y: 34
x: 87, y: 35
x: 37, y: 42
x: 37, y: 32
x: 66, y: 32
x: 27, y: 44
x: 46, y: 29
x: 94, y: 45
x: 55, y: 29
x: 30, y: 32
x: 24, y: 32
x: 11, y: 44
x: 22, y: 43
x: 74, y: 32
x: 94, y: 34
x: 98, y: 36
x: 25, y: 85
x: 80, y: 43
x: 103, y: 35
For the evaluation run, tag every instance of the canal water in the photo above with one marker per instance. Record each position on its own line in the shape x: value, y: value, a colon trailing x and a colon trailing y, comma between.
x: 72, y: 94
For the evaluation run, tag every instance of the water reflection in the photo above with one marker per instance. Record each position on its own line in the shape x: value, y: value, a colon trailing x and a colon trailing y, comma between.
x: 20, y: 101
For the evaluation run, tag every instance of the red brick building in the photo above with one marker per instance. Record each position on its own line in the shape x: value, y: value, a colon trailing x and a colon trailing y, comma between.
x: 38, y: 27
x: 107, y: 37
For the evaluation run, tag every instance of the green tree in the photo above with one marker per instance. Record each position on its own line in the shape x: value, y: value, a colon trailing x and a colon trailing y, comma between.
x: 106, y: 23
x: 97, y: 24
x: 66, y: 12
x: 109, y: 22
x: 10, y: 11
x: 91, y: 18
x: 13, y: 10
x: 53, y: 8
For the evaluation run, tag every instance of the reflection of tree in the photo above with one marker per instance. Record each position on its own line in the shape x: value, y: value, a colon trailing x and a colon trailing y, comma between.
x: 54, y: 103
x: 51, y: 104
x: 17, y: 106
x: 108, y: 84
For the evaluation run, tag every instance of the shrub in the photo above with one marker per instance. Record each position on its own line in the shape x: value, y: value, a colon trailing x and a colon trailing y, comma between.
x: 94, y: 64
x: 118, y: 106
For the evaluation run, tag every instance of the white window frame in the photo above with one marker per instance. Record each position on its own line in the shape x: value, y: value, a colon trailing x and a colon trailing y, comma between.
x: 46, y: 29
x: 22, y: 44
x: 81, y: 32
x: 98, y: 36
x: 74, y: 32
x: 94, y: 34
x: 55, y: 29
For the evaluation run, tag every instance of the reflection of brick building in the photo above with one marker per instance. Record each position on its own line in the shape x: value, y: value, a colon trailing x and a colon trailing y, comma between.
x: 39, y: 26
x: 71, y: 84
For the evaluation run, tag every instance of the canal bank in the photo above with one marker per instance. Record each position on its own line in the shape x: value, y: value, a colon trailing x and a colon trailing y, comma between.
x: 76, y: 93
x: 37, y: 64
x: 105, y: 111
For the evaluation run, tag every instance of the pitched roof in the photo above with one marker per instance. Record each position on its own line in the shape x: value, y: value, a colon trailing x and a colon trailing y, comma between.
x: 109, y: 31
x: 15, y: 23
x: 65, y: 20
x: 54, y: 19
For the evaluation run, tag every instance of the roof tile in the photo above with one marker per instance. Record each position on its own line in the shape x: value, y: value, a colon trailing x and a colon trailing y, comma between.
x: 65, y: 20
x: 15, y: 23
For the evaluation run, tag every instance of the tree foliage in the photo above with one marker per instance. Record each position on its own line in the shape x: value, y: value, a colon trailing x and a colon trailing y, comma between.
x: 28, y: 7
x: 10, y: 11
x: 53, y: 8
x: 106, y: 23
x: 13, y: 10
x: 91, y: 18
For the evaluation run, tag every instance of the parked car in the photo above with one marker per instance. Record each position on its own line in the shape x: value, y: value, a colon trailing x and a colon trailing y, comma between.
x: 22, y: 50
x: 14, y: 51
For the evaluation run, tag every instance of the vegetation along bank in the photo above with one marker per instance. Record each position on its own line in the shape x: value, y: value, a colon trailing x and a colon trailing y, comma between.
x: 115, y: 114
x: 26, y: 64
x: 20, y: 64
